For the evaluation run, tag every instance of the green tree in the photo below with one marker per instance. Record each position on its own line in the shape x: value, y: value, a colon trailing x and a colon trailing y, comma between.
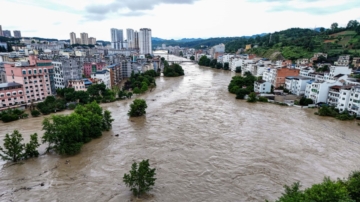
x: 226, y: 66
x: 137, y: 108
x: 141, y: 178
x: 192, y: 57
x: 252, y: 97
x: 31, y: 147
x: 35, y: 113
x: 136, y: 90
x: 144, y: 87
x: 13, y: 148
x: 107, y: 120
x: 238, y: 70
x: 334, y: 26
x: 353, y: 185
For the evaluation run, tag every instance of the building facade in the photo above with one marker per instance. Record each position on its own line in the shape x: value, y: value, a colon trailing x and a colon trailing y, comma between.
x: 7, y: 33
x: 66, y: 69
x: 72, y: 38
x: 84, y: 38
x: 145, y: 44
x: 136, y: 39
x: 17, y: 34
x: 92, y: 67
x: 1, y: 32
x: 117, y: 38
x: 130, y: 35
x: 103, y: 76
x: 11, y: 95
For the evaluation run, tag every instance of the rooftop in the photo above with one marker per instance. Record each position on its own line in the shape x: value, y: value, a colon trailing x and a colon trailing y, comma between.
x: 6, y: 85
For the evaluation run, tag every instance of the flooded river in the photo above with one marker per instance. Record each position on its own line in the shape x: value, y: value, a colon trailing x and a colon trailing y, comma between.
x: 206, y: 146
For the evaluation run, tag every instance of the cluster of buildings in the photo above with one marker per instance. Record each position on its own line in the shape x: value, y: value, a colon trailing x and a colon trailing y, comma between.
x: 7, y: 33
x: 83, y: 40
x: 135, y: 40
x: 31, y: 73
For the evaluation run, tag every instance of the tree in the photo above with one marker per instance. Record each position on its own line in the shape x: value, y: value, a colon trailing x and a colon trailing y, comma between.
x: 31, y: 147
x: 226, y: 66
x: 322, y: 29
x: 137, y: 108
x: 144, y: 87
x: 181, y: 54
x: 252, y: 97
x: 238, y: 69
x: 192, y: 57
x: 35, y: 113
x: 136, y: 90
x: 107, y: 120
x: 334, y: 26
x: 13, y: 148
x: 140, y: 178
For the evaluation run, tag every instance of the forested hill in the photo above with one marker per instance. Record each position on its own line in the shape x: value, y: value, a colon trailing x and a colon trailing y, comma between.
x: 298, y: 43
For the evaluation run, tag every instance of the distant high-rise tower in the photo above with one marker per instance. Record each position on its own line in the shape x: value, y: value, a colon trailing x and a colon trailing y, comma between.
x: 1, y: 32
x: 84, y: 38
x: 72, y: 38
x: 92, y: 40
x: 7, y: 33
x: 78, y: 40
x: 130, y: 38
x: 117, y: 38
x: 136, y: 39
x: 17, y: 34
x: 145, y: 41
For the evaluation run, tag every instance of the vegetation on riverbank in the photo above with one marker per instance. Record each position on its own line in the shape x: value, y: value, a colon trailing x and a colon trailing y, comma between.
x: 204, y: 61
x: 14, y: 150
x: 242, y: 86
x: 65, y: 134
x: 12, y: 115
x: 141, y: 82
x: 333, y: 112
x: 173, y: 70
x: 328, y: 190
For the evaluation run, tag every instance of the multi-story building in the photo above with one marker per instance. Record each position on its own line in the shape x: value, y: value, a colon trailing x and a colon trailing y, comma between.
x: 262, y: 86
x: 125, y: 68
x: 2, y: 73
x: 136, y: 39
x: 78, y: 40
x: 115, y: 74
x: 84, y: 38
x: 66, y: 69
x: 354, y: 101
x: 11, y: 95
x: 1, y: 32
x: 92, y: 40
x: 318, y: 91
x: 104, y: 76
x: 356, y: 62
x: 93, y: 67
x: 17, y: 34
x: 130, y: 35
x: 296, y: 84
x: 72, y: 38
x: 145, y: 44
x: 36, y: 76
x: 277, y: 76
x: 340, y: 97
x: 7, y: 33
x: 78, y: 85
x: 117, y: 38
x: 302, y: 61
x: 344, y: 60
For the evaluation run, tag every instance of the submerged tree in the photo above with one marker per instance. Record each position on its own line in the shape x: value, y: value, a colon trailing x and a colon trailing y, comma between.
x: 140, y: 179
x: 137, y: 108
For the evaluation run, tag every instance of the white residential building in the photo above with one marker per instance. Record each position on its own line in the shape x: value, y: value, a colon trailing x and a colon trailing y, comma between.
x: 296, y: 84
x: 145, y: 44
x: 343, y: 60
x: 318, y: 91
x: 343, y: 99
x: 262, y: 87
x: 104, y: 76
x: 302, y: 61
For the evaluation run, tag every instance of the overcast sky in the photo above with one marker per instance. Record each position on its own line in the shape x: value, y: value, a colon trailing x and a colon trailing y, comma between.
x: 171, y: 19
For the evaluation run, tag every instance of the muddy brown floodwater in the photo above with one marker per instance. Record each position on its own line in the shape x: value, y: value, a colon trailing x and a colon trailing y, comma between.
x: 205, y: 145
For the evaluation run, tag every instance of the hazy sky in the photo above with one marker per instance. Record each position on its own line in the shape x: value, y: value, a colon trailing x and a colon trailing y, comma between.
x: 171, y: 18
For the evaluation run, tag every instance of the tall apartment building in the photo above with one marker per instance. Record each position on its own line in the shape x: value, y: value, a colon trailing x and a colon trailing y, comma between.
x: 117, y: 38
x: 92, y: 41
x: 145, y: 41
x: 1, y: 32
x: 35, y: 76
x: 66, y: 69
x: 130, y: 38
x: 84, y: 38
x: 125, y: 68
x: 7, y: 33
x: 136, y: 39
x: 17, y: 34
x: 72, y: 38
x: 78, y: 40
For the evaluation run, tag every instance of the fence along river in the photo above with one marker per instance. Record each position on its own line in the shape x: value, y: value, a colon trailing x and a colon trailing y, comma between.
x: 206, y: 146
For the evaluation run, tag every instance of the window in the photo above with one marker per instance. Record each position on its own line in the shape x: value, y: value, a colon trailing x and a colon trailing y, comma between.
x: 344, y: 93
x: 29, y: 71
x: 343, y: 98
x: 14, y: 93
x: 24, y: 72
x: 40, y: 71
x: 12, y: 76
x: 44, y: 70
x: 8, y: 94
x: 34, y: 71
x: 2, y: 95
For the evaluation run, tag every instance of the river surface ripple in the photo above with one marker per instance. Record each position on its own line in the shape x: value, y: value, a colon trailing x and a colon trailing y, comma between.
x: 205, y: 145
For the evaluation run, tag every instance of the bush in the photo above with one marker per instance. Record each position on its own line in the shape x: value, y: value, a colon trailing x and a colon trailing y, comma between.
x: 137, y: 108
x: 35, y: 113
x: 252, y: 97
x: 263, y: 99
x: 72, y: 106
